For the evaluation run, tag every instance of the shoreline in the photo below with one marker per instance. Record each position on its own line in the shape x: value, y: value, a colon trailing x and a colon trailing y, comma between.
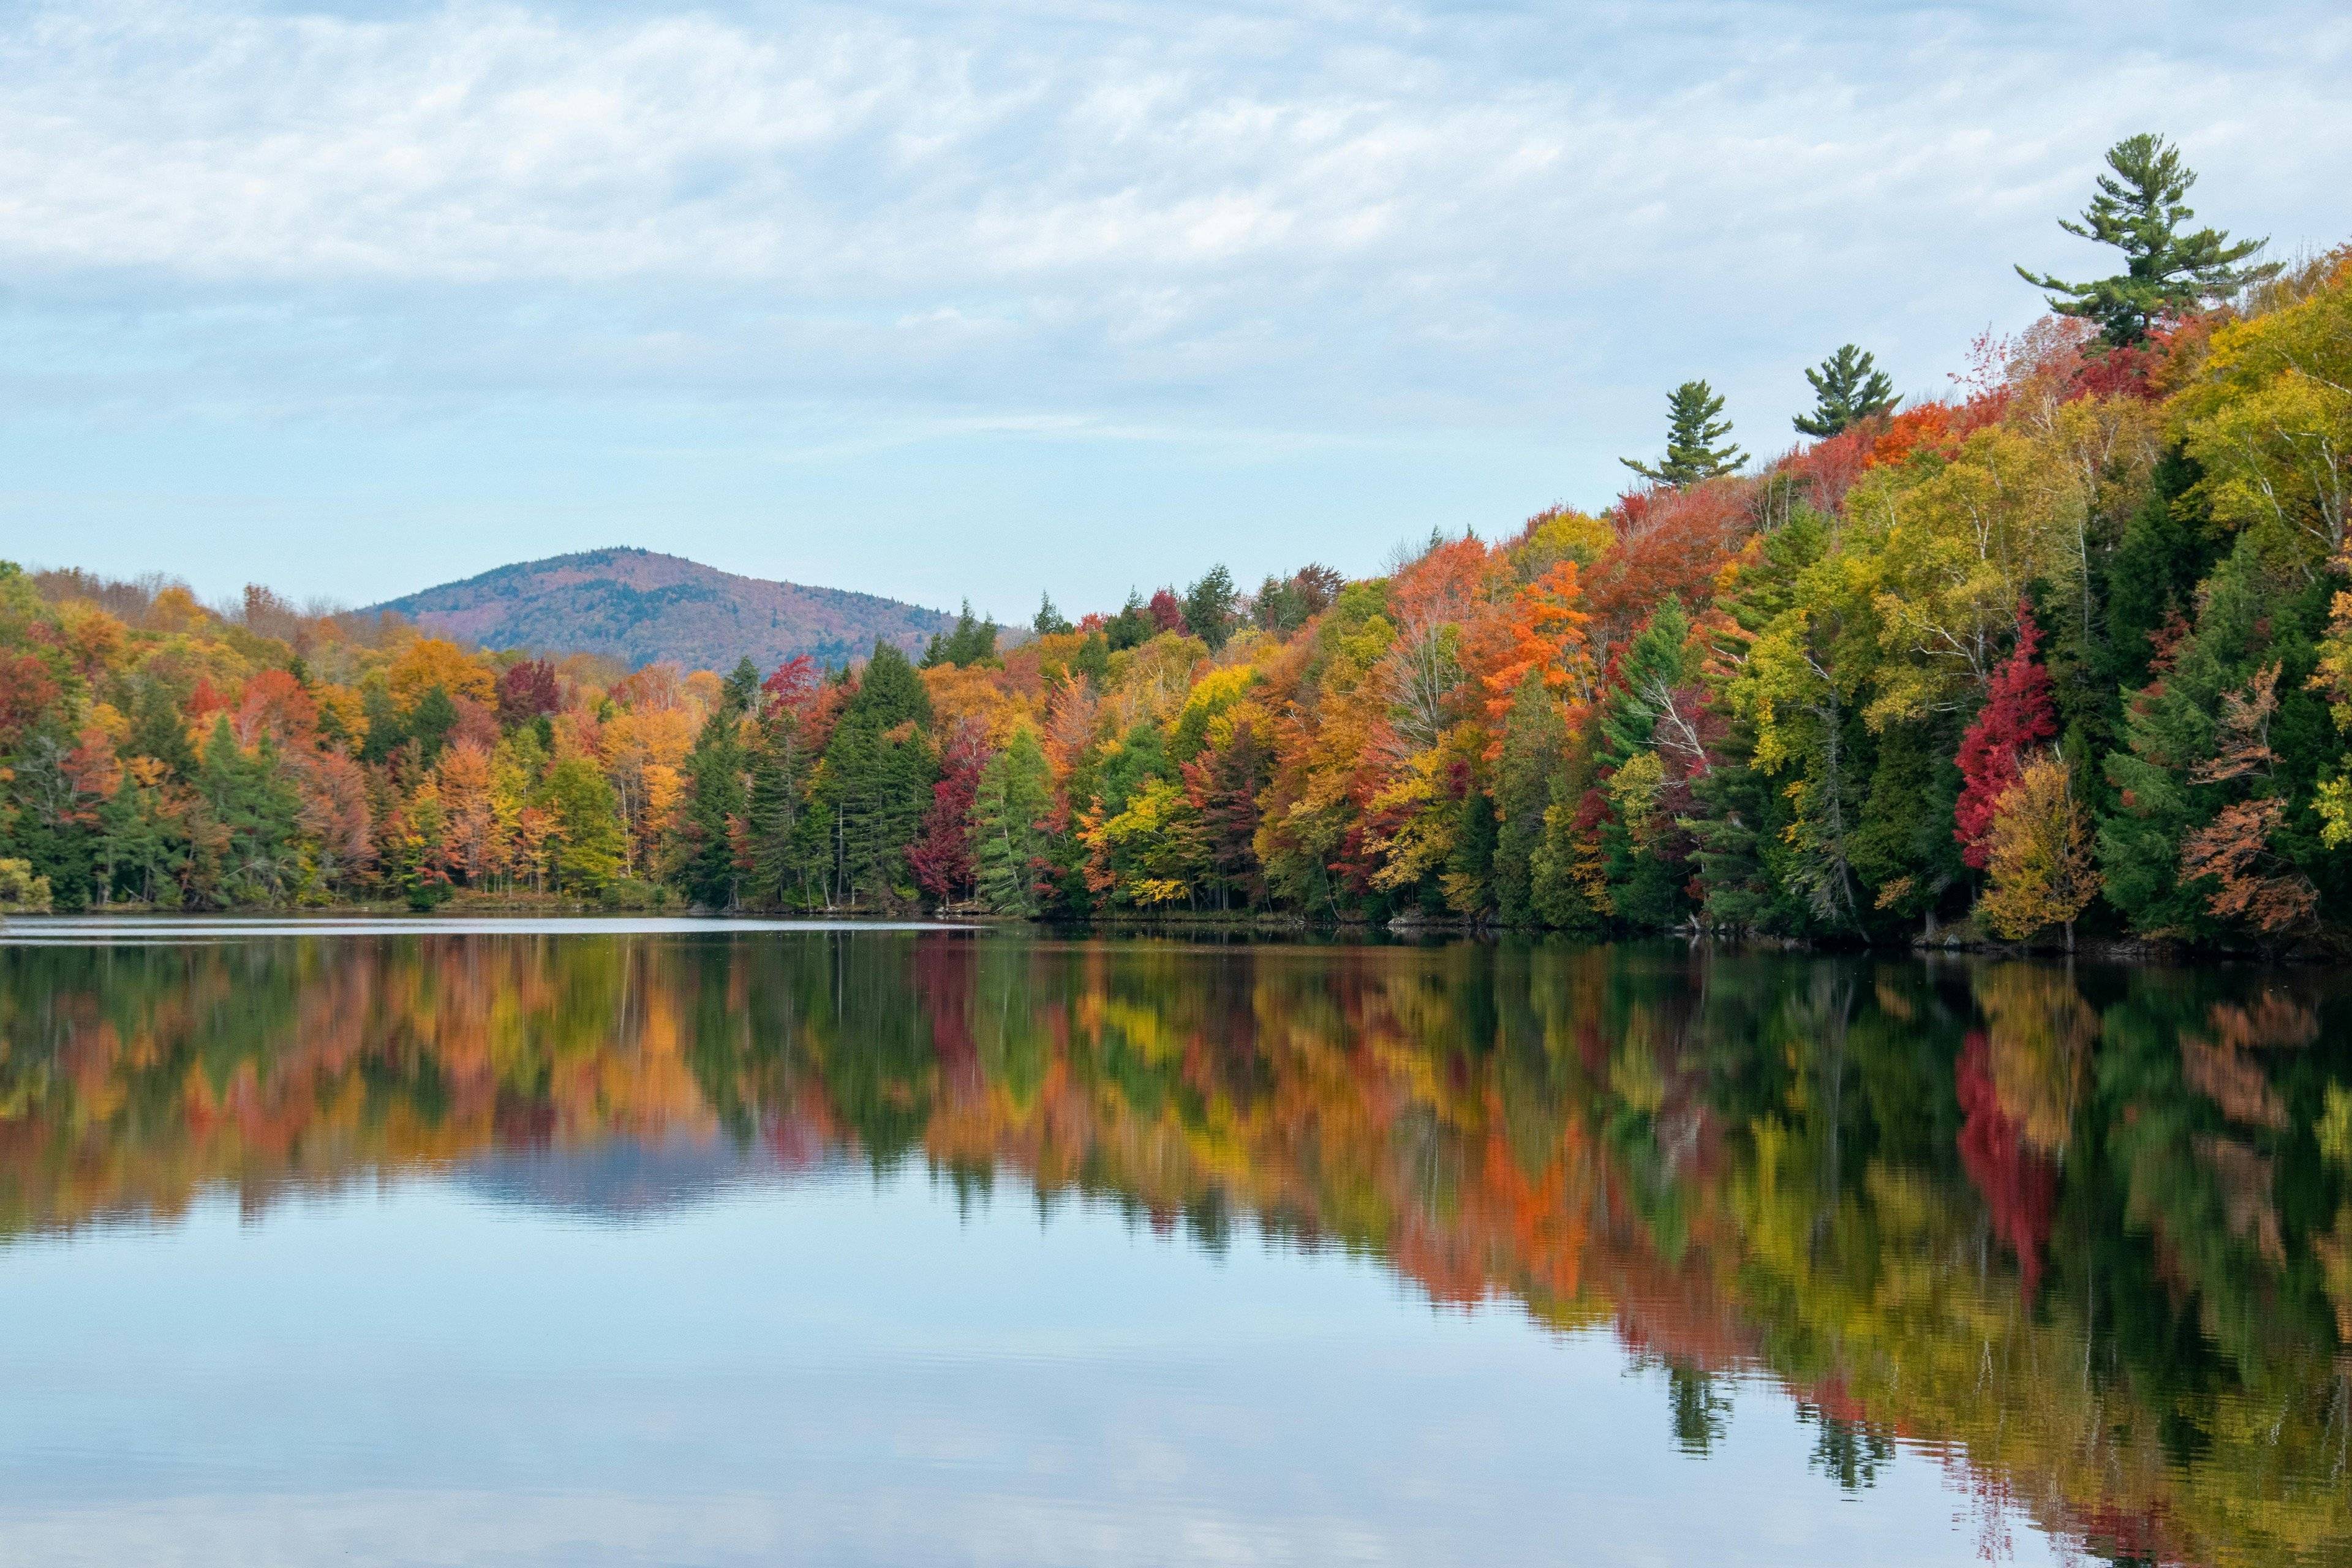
x: 1952, y: 940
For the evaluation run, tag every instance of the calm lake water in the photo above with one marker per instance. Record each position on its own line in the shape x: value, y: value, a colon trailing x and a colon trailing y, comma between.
x: 681, y: 1243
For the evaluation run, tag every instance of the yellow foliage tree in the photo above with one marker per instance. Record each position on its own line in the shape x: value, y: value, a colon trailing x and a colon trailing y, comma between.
x: 2043, y: 873
x: 429, y: 662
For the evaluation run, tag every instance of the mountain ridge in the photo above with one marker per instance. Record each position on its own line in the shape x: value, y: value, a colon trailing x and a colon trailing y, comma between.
x: 640, y: 605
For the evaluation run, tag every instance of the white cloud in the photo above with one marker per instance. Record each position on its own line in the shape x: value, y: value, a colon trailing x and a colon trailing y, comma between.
x: 1340, y: 219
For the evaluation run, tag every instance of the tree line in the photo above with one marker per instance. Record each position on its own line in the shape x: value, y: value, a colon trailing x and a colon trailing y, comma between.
x: 2069, y: 645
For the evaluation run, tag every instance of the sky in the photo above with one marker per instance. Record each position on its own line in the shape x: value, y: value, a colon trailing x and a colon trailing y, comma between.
x: 944, y: 301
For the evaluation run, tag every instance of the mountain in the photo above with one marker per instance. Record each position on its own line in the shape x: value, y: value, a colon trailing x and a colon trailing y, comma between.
x: 639, y: 605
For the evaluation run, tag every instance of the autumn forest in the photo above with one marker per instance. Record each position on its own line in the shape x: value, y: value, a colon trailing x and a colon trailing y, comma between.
x: 2061, y: 651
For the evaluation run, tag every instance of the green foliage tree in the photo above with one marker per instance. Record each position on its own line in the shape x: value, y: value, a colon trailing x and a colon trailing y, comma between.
x: 1209, y: 607
x: 255, y: 806
x: 1849, y: 387
x: 429, y: 725
x: 1049, y: 621
x: 1131, y: 627
x: 1534, y: 736
x: 1009, y: 842
x: 876, y: 783
x: 2139, y: 211
x: 973, y: 641
x: 1696, y: 450
x: 717, y: 801
x: 587, y: 826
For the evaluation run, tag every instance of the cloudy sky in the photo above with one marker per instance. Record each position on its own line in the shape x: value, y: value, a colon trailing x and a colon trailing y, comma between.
x: 936, y: 300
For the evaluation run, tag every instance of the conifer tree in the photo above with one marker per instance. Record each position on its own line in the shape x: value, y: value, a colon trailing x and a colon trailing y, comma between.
x: 718, y: 802
x: 1696, y: 450
x: 973, y: 641
x: 1008, y: 843
x: 784, y: 843
x: 878, y: 771
x: 2167, y: 273
x: 1209, y: 607
x: 1849, y: 387
x: 1050, y: 622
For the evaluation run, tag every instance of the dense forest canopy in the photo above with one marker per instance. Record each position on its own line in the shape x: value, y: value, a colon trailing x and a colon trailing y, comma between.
x: 2069, y: 645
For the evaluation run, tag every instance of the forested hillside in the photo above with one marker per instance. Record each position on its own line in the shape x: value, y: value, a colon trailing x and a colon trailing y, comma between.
x: 2067, y: 647
x: 641, y: 606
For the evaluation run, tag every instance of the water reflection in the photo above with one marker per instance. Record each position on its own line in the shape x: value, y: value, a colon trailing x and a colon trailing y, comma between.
x: 2085, y: 1235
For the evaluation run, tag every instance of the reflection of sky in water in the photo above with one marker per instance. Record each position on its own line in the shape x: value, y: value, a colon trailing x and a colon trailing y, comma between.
x: 488, y: 1369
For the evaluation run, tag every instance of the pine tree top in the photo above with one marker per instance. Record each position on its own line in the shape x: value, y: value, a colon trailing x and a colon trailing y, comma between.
x: 2139, y: 210
x: 1696, y: 450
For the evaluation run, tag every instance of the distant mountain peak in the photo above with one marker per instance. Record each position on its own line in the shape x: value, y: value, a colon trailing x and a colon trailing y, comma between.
x: 640, y: 605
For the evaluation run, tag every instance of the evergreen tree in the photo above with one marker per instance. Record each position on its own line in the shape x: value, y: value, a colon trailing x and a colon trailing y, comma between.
x: 1223, y: 783
x: 256, y: 807
x: 49, y: 827
x: 1696, y: 450
x: 1847, y: 388
x: 1644, y: 867
x: 740, y: 689
x: 429, y: 725
x: 973, y: 641
x: 2223, y: 751
x: 1131, y: 627
x: 876, y: 783
x: 387, y: 731
x: 1469, y: 879
x: 140, y: 854
x: 1049, y: 622
x: 1009, y: 842
x: 2167, y: 273
x: 786, y: 838
x: 1741, y: 818
x: 1209, y: 607
x: 157, y: 730
x: 716, y: 799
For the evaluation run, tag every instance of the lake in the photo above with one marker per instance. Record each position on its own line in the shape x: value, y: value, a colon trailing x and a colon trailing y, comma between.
x: 680, y: 1242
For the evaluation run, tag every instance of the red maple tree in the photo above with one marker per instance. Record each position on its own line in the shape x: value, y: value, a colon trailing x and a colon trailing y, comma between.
x: 2018, y: 715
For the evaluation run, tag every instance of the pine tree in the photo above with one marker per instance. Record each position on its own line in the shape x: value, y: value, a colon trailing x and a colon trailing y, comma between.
x: 973, y: 641
x: 783, y: 856
x: 740, y: 689
x: 876, y: 781
x: 1847, y: 388
x: 718, y: 802
x: 1008, y: 842
x: 1223, y: 783
x: 158, y: 731
x: 1131, y: 627
x: 1050, y: 622
x: 1643, y: 865
x: 2167, y: 273
x: 1695, y: 448
x: 430, y: 724
x: 1209, y: 607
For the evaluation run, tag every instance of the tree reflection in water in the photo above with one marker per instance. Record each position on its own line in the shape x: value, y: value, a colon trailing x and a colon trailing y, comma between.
x: 2086, y: 1236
